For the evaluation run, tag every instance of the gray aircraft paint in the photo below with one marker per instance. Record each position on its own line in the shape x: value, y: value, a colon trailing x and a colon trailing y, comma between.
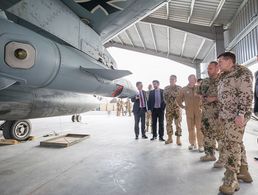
x: 26, y: 103
x: 58, y: 81
x: 70, y: 61
x: 56, y: 66
x: 54, y: 16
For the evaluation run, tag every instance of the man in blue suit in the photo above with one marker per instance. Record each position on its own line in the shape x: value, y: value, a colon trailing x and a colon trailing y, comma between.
x: 157, y: 106
x: 139, y: 109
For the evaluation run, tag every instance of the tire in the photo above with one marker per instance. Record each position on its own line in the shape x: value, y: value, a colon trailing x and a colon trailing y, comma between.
x: 74, y: 118
x: 78, y: 118
x: 6, y: 129
x: 20, y: 130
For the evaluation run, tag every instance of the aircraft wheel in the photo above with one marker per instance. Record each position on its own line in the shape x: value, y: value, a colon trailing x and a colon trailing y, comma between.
x: 6, y: 129
x: 78, y: 118
x: 20, y: 130
x: 74, y: 118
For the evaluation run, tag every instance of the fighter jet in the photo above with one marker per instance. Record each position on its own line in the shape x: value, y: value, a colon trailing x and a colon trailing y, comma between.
x: 52, y: 58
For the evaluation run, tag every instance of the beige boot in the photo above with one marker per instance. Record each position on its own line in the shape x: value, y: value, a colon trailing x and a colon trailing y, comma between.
x: 244, y: 174
x: 178, y: 141
x: 208, y: 157
x: 230, y: 184
x: 169, y: 140
x: 219, y: 164
x: 229, y: 189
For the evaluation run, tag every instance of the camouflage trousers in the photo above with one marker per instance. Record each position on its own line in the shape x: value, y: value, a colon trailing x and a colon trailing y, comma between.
x: 220, y: 135
x: 148, y: 121
x: 118, y: 112
x: 176, y: 116
x: 212, y: 132
x: 233, y: 146
x: 209, y: 129
x: 129, y: 111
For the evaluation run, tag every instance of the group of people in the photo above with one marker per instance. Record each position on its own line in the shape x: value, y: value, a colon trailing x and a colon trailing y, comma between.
x: 168, y: 103
x: 123, y: 108
x: 217, y: 111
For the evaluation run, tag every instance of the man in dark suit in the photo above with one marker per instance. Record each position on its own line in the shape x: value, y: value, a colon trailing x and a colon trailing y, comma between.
x: 157, y: 106
x: 139, y: 110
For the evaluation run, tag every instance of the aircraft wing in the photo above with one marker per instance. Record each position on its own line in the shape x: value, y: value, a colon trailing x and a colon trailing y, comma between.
x: 109, y: 17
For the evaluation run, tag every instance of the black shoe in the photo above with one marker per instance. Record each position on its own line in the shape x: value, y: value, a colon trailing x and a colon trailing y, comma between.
x: 153, y: 138
x: 144, y: 137
x: 161, y: 139
x: 136, y: 137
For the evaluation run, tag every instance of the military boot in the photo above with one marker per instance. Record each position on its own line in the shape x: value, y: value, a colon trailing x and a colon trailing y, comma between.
x: 208, y: 157
x: 178, y: 141
x: 169, y: 140
x: 219, y: 164
x: 244, y: 174
x: 230, y: 184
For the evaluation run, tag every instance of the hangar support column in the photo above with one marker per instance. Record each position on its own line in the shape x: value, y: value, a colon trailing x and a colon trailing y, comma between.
x: 219, y: 40
x: 198, y: 70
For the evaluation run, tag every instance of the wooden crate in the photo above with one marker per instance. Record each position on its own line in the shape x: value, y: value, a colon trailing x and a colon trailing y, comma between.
x: 64, y: 141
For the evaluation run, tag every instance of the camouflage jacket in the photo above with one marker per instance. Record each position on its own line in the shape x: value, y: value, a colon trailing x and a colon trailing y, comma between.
x: 209, y: 87
x: 235, y: 93
x: 170, y: 95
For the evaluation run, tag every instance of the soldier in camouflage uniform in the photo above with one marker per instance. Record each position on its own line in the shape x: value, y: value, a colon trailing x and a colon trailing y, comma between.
x: 128, y: 106
x: 210, y: 114
x: 235, y: 97
x: 118, y: 107
x: 173, y: 111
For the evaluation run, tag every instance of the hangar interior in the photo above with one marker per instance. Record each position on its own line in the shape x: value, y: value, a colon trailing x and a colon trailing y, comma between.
x: 191, y: 32
x: 194, y: 32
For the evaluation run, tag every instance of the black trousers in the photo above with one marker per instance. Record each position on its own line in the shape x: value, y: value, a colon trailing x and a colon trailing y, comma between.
x: 157, y: 114
x: 139, y: 117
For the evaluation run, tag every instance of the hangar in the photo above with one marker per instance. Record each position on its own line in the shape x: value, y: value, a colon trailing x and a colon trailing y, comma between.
x: 53, y: 82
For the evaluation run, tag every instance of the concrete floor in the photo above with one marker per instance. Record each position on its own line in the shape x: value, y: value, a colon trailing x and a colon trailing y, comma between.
x: 111, y: 162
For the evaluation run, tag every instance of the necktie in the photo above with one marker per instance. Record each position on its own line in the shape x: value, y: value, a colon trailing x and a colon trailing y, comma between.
x: 141, y: 100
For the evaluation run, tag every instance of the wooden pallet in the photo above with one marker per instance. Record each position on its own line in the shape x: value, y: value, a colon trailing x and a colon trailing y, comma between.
x: 13, y: 141
x: 64, y: 141
x: 8, y: 142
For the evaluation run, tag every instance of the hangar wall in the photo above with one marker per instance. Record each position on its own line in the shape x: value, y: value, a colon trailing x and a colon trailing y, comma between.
x: 246, y: 48
x: 240, y: 38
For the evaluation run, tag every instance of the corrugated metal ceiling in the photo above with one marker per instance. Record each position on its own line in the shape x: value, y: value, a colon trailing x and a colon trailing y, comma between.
x: 158, y: 39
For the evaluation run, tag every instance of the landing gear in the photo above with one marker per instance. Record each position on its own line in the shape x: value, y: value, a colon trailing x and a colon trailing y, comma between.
x: 76, y: 118
x: 73, y: 118
x: 19, y: 130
